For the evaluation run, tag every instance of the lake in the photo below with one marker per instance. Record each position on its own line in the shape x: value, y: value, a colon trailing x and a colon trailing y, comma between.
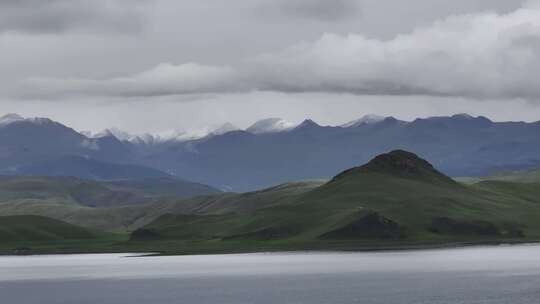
x: 500, y: 274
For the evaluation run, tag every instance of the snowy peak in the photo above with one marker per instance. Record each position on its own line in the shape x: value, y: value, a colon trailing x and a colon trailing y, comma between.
x: 41, y: 121
x: 10, y: 118
x: 145, y: 139
x: 14, y: 118
x: 178, y: 135
x: 115, y: 132
x: 270, y: 125
x: 225, y: 128
x: 125, y: 136
x: 365, y: 120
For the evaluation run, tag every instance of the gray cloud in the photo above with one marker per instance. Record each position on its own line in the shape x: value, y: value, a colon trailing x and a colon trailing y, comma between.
x: 325, y: 10
x: 70, y: 62
x: 55, y: 16
x: 483, y: 55
x: 162, y: 80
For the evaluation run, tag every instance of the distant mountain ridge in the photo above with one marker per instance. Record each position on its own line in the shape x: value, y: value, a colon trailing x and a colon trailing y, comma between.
x: 271, y: 151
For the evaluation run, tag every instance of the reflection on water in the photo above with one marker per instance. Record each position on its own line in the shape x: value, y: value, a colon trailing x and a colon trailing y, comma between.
x: 503, y: 274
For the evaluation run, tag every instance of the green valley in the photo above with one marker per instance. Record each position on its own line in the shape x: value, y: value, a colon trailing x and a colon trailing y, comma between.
x: 397, y: 200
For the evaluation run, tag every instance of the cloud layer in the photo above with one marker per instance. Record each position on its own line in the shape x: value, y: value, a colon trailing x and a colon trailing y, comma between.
x: 322, y: 10
x: 162, y: 80
x: 482, y: 55
x: 54, y: 16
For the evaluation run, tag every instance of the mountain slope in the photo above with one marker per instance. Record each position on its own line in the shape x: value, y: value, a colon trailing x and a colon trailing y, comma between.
x: 70, y: 190
x: 398, y: 163
x: 56, y: 203
x: 88, y: 169
x: 397, y: 198
x: 162, y: 187
x: 36, y: 228
x: 37, y: 139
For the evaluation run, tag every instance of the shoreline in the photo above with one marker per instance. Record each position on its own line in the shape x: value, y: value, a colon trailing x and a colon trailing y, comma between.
x: 329, y: 249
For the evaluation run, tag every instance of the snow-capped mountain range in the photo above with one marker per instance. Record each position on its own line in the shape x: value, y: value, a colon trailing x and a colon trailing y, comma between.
x: 263, y: 126
x: 268, y: 152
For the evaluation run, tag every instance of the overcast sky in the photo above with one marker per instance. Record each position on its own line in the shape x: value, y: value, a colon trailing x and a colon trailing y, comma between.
x: 157, y: 65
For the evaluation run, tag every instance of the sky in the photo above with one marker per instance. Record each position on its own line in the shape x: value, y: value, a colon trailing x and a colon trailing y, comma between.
x: 150, y: 66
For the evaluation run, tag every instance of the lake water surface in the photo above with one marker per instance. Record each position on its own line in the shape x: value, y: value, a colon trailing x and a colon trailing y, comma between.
x: 502, y: 274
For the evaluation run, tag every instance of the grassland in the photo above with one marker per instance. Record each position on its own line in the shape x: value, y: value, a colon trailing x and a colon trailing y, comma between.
x: 397, y: 200
x: 36, y: 234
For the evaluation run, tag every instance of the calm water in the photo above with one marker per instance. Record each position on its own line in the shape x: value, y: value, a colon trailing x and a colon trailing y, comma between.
x: 504, y: 274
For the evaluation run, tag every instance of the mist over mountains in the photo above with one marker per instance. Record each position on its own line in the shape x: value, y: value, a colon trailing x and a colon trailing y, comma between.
x: 270, y: 152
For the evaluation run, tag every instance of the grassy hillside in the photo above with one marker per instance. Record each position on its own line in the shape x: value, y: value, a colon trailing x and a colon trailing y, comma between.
x: 37, y: 228
x: 97, y: 194
x: 245, y: 203
x: 396, y: 199
x: 29, y: 234
x: 160, y: 187
x: 63, y: 189
x: 128, y: 218
x: 119, y: 219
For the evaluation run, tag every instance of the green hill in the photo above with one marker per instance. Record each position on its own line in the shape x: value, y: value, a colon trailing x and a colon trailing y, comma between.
x: 28, y: 228
x: 161, y: 187
x: 28, y: 234
x: 127, y: 218
x: 397, y: 164
x: 396, y: 199
x: 97, y: 193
